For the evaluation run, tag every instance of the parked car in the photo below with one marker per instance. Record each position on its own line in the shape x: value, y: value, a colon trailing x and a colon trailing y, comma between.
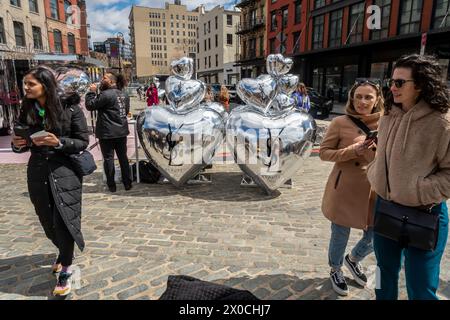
x: 320, y: 105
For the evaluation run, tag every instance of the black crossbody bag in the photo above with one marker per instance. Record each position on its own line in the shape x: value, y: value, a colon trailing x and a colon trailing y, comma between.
x: 409, y: 226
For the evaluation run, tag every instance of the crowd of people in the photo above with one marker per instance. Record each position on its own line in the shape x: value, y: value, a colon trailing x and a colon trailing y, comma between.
x: 389, y: 151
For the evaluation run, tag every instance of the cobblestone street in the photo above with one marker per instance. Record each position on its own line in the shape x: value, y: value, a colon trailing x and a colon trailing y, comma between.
x: 276, y: 247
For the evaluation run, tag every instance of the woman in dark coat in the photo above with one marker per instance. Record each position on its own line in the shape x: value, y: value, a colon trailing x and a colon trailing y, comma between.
x: 55, y: 190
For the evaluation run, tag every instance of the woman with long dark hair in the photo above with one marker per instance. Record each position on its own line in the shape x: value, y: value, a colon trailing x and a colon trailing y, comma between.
x: 113, y: 106
x: 54, y: 188
x: 412, y: 171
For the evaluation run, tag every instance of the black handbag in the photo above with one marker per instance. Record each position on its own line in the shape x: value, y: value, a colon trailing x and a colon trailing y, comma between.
x: 409, y: 226
x: 83, y: 163
x: 416, y: 227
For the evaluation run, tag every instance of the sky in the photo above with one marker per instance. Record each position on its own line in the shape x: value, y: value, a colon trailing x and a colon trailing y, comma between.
x: 108, y: 17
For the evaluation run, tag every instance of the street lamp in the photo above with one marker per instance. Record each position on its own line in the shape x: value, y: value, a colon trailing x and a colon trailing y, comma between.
x: 120, y: 37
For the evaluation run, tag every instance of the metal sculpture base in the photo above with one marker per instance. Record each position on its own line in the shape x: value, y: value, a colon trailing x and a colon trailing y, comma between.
x: 201, y: 178
x: 246, y: 181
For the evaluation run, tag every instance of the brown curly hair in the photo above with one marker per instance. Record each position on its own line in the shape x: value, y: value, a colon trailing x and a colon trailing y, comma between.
x: 427, y: 75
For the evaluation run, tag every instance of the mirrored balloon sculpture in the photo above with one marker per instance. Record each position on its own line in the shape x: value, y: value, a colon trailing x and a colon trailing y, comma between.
x: 72, y: 80
x: 268, y: 136
x: 181, y: 138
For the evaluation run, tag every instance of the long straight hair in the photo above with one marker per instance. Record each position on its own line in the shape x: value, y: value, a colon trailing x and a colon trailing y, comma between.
x: 53, y: 108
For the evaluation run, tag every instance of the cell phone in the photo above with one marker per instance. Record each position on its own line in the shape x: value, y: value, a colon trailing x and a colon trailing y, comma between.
x: 23, y: 132
x: 372, y: 135
x: 39, y: 134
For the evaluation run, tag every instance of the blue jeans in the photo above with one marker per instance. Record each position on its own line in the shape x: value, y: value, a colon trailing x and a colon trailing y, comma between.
x: 421, y: 267
x: 338, y: 244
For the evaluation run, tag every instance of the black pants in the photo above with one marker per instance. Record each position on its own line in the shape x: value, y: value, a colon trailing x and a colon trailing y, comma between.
x: 119, y: 145
x: 55, y: 229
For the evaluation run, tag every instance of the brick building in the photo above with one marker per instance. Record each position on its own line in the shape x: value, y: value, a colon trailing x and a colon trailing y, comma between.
x: 67, y: 26
x: 332, y: 44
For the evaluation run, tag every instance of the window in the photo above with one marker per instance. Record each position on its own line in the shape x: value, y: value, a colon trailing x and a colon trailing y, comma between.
x: 205, y: 44
x: 217, y: 60
x: 319, y: 3
x: 385, y: 6
x: 229, y: 20
x: 356, y: 23
x: 285, y: 17
x: 33, y: 6
x: 273, y: 21
x: 410, y: 13
x: 206, y: 62
x: 15, y: 3
x: 2, y: 31
x: 198, y: 47
x: 296, y: 43
x: 209, y: 26
x: 57, y: 40
x: 318, y: 32
x: 335, y: 38
x: 204, y: 28
x: 441, y: 14
x: 209, y: 43
x: 272, y: 45
x: 54, y: 9
x: 217, y: 40
x: 229, y: 39
x: 68, y: 11
x: 209, y: 62
x: 19, y: 32
x: 261, y: 46
x: 71, y: 43
x: 298, y: 12
x: 37, y: 38
x: 216, y: 21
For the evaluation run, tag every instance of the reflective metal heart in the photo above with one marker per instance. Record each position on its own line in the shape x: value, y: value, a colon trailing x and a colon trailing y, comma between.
x: 258, y: 92
x: 277, y: 65
x: 270, y: 148
x: 184, y: 94
x: 180, y: 144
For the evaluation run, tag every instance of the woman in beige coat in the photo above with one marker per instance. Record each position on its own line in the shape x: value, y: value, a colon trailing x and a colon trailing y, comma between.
x: 348, y: 201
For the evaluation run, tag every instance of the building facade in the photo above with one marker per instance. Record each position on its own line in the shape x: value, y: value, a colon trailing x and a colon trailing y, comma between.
x: 22, y: 36
x: 216, y: 46
x: 23, y: 27
x: 251, y: 31
x: 340, y: 40
x: 160, y: 35
x: 67, y: 27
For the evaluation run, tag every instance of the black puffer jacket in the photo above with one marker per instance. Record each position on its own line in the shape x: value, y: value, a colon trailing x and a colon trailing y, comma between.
x: 113, y: 106
x: 48, y: 165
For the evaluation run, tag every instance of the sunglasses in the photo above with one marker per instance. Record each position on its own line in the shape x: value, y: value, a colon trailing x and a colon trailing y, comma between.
x: 398, y: 82
x: 372, y: 81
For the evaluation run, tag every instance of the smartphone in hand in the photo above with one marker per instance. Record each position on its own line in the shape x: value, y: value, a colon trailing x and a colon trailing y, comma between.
x: 39, y: 134
x: 372, y: 135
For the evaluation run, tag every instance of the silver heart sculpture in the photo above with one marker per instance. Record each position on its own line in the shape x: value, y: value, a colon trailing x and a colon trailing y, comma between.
x: 285, y: 86
x: 180, y: 144
x: 182, y: 92
x: 258, y: 92
x: 277, y: 65
x: 183, y: 68
x: 270, y: 149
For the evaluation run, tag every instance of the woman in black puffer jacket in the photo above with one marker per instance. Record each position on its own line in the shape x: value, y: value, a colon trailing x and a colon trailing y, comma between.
x: 55, y: 190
